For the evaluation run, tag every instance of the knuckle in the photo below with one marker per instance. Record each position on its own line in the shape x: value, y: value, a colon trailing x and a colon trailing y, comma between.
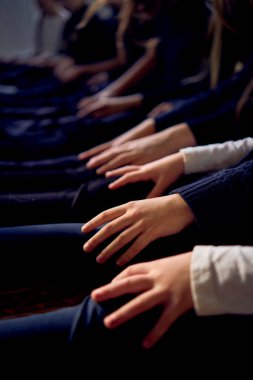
x: 131, y: 204
x: 129, y: 271
x: 104, y: 215
x: 137, y: 214
x: 121, y: 238
x: 107, y: 228
x: 129, y: 282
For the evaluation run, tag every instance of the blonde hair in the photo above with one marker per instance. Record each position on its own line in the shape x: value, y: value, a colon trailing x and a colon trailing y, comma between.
x: 90, y: 12
x: 124, y: 17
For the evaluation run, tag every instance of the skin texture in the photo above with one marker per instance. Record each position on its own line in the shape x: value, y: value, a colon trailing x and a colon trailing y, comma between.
x: 145, y: 128
x: 163, y: 173
x: 143, y: 150
x: 137, y: 223
x: 163, y: 282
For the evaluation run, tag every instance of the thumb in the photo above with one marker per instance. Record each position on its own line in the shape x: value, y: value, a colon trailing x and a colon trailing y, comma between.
x: 156, y: 191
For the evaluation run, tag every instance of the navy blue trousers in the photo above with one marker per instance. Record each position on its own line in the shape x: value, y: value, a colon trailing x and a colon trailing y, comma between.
x: 73, y: 338
x: 47, y: 138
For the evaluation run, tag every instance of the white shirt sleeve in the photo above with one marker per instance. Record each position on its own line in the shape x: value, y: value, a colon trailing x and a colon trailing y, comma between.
x: 215, y: 156
x: 222, y: 280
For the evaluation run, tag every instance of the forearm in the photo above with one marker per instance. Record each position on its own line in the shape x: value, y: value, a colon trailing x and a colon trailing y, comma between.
x: 215, y: 156
x: 145, y: 128
x: 97, y: 67
x: 134, y: 74
x: 131, y: 101
x: 178, y: 137
x: 222, y: 279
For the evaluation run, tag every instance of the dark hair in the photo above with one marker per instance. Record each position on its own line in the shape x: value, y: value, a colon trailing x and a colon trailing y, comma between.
x: 226, y: 14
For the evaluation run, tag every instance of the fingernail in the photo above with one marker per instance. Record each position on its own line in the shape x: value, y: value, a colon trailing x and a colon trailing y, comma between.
x: 86, y: 247
x: 120, y: 262
x: 83, y: 228
x: 95, y: 294
x: 100, y: 260
x: 89, y: 164
x: 109, y: 322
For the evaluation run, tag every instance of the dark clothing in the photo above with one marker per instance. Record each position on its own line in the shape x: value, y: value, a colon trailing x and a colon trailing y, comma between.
x: 181, y: 50
x: 27, y: 140
x: 222, y: 201
x: 96, y: 41
x: 68, y: 338
x: 211, y: 115
x: 64, y: 205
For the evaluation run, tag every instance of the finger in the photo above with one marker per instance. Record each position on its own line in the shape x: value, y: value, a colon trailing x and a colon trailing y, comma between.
x: 94, y: 151
x: 102, y: 158
x: 138, y: 305
x: 120, y: 160
x: 85, y: 102
x: 140, y: 243
x: 119, y: 242
x: 160, y: 328
x: 153, y: 113
x: 141, y: 268
x: 121, y: 171
x: 104, y: 233
x: 87, y: 110
x: 103, y: 217
x: 156, y: 191
x: 127, y: 178
x: 135, y: 284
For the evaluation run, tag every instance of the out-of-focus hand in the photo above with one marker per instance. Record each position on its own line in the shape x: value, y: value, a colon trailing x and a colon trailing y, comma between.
x: 68, y: 74
x: 161, y: 109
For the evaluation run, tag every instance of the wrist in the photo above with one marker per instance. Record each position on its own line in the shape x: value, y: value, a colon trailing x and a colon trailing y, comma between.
x: 181, y: 136
x: 179, y: 162
x: 183, y: 214
x: 147, y: 127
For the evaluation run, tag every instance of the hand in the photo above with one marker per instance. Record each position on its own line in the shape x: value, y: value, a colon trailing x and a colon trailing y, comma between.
x: 60, y: 62
x: 103, y: 107
x: 90, y: 101
x: 97, y: 80
x: 143, y: 150
x: 163, y: 282
x: 160, y: 109
x: 137, y: 152
x: 68, y: 74
x: 162, y: 172
x: 108, y: 105
x: 143, y: 129
x: 144, y: 221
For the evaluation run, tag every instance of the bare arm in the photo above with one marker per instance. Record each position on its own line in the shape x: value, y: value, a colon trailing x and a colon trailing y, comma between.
x: 136, y: 72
